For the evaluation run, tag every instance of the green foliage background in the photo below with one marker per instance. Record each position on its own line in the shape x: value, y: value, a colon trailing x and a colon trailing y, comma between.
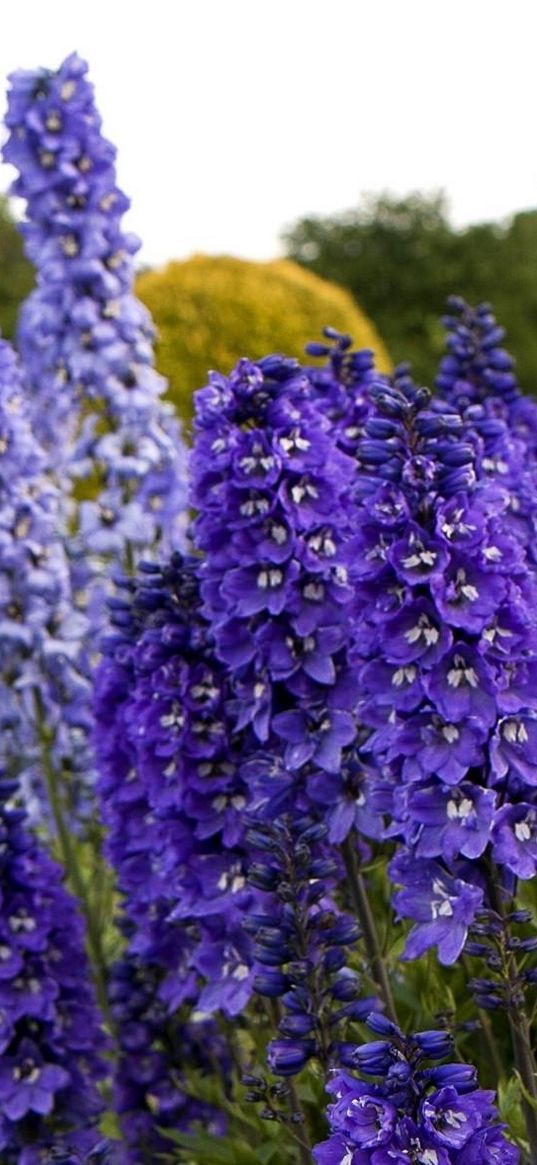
x: 16, y: 274
x: 211, y: 310
x: 401, y: 258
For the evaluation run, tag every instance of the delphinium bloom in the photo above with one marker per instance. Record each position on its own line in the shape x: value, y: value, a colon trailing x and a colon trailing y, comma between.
x: 301, y: 937
x: 155, y: 1089
x: 51, y: 1041
x: 341, y: 386
x: 85, y: 340
x: 43, y: 690
x: 271, y: 486
x: 446, y: 646
x: 477, y: 376
x: 173, y: 801
x: 407, y: 1107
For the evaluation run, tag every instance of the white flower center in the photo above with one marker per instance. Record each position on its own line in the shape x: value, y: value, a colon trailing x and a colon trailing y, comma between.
x: 254, y: 506
x: 294, y: 442
x: 423, y: 628
x: 403, y: 675
x: 460, y: 809
x: 419, y: 558
x: 466, y: 589
x: 269, y: 579
x: 441, y: 906
x: 460, y: 673
x: 514, y: 732
x: 455, y: 1119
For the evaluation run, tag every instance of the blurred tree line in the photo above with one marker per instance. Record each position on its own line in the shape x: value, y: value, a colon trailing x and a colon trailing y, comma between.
x: 401, y: 258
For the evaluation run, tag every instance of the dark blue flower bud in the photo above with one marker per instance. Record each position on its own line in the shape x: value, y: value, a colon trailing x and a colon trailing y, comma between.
x: 463, y: 1077
x: 271, y: 983
x: 287, y: 1057
x: 383, y: 1026
x: 296, y: 1025
x: 434, y: 1044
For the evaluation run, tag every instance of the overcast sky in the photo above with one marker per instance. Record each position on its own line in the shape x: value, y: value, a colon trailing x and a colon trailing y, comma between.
x: 234, y: 117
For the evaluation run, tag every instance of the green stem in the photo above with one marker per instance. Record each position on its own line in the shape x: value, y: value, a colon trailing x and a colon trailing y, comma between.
x: 525, y: 1064
x: 304, y: 1149
x: 487, y: 1032
x: 360, y: 899
x: 518, y: 1024
x: 70, y: 861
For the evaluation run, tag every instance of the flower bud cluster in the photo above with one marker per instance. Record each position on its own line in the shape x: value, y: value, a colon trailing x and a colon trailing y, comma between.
x: 300, y: 943
x: 341, y: 385
x: 403, y: 1108
x: 507, y: 957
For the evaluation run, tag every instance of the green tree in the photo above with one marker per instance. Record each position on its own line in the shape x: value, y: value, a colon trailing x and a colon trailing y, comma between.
x: 401, y: 257
x: 500, y: 264
x: 396, y: 257
x: 16, y: 273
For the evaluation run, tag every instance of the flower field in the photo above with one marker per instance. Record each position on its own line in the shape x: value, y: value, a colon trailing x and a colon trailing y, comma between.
x: 268, y: 710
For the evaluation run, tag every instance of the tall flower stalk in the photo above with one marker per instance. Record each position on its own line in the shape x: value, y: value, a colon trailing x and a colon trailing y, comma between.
x: 85, y: 340
x: 447, y: 633
x: 40, y: 653
x: 173, y: 801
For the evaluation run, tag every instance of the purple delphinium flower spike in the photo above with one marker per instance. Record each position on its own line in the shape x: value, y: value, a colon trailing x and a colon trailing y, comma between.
x: 43, y: 686
x: 406, y: 1107
x: 273, y: 489
x: 51, y: 1039
x: 477, y: 376
x: 173, y: 801
x: 446, y: 647
x: 153, y: 1091
x: 85, y: 340
x: 270, y: 485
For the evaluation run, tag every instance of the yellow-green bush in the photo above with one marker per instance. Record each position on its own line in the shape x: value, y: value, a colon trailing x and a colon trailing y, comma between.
x: 211, y: 310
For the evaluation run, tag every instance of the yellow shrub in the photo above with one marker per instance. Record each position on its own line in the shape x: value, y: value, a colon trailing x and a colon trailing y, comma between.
x: 211, y: 310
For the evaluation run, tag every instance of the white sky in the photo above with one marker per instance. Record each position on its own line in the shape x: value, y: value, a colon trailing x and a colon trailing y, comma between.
x: 234, y: 117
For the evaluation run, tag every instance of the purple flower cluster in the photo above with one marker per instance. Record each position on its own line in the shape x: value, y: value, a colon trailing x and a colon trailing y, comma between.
x: 477, y: 377
x: 445, y: 634
x: 173, y: 801
x: 272, y: 491
x: 51, y: 1041
x: 42, y: 684
x: 85, y: 340
x: 402, y: 1110
x: 171, y: 793
x: 153, y: 1091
